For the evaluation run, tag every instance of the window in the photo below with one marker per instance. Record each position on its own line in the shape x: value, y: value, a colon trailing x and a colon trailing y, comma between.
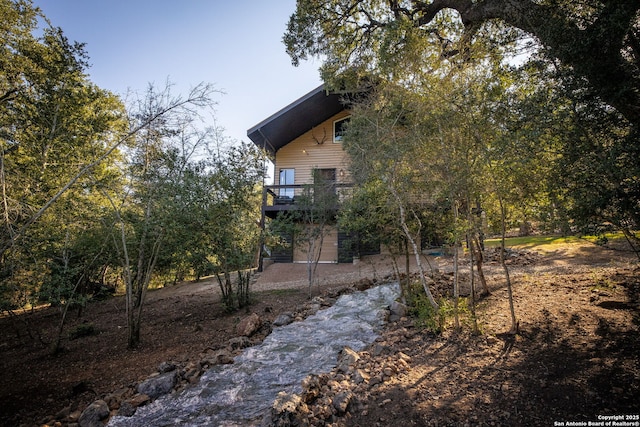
x: 324, y: 176
x: 339, y: 128
x: 287, y: 177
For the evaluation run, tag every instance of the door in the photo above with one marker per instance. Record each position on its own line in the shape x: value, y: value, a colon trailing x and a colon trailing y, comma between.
x: 324, y: 181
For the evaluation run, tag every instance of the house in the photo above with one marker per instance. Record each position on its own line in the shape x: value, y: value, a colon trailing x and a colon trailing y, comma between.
x: 304, y: 142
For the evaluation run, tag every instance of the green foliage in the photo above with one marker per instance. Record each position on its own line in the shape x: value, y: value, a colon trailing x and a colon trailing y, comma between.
x: 436, y: 320
x: 53, y: 122
x: 426, y: 316
x: 555, y: 140
x: 400, y: 40
x: 93, y: 194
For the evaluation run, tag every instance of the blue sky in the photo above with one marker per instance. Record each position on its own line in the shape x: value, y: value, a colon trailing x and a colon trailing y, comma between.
x: 234, y: 44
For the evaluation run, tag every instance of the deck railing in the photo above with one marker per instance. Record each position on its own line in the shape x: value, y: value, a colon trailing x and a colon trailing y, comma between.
x: 282, y: 196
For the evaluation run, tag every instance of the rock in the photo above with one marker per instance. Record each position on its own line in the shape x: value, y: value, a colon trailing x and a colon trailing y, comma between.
x: 138, y: 400
x: 74, y: 416
x: 359, y: 376
x: 398, y: 310
x: 159, y: 385
x: 312, y: 386
x: 378, y: 349
x: 223, y: 357
x: 364, y: 284
x: 239, y: 343
x: 347, y: 360
x: 166, y: 367
x: 93, y: 414
x: 283, y: 319
x: 375, y: 380
x: 220, y: 357
x: 404, y: 356
x: 63, y: 413
x: 249, y: 325
x: 113, y: 401
x: 126, y: 410
x: 287, y: 411
x: 341, y: 401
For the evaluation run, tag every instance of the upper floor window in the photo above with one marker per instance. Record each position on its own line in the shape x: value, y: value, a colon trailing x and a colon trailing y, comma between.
x: 339, y: 128
x: 287, y: 177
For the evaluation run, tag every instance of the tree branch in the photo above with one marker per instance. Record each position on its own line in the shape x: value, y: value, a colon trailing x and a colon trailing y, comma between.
x: 198, y: 97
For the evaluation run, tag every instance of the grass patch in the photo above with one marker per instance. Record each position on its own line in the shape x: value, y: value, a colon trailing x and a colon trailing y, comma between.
x: 536, y: 242
x: 529, y: 242
x: 282, y: 292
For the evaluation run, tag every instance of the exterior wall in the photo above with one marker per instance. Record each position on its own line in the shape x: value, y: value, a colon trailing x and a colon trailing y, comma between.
x: 314, y: 150
x: 329, y: 252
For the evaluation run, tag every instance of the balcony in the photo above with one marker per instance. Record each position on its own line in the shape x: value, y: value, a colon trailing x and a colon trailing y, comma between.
x: 283, y: 198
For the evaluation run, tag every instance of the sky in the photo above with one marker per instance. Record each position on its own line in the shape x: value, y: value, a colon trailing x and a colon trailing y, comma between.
x: 236, y: 45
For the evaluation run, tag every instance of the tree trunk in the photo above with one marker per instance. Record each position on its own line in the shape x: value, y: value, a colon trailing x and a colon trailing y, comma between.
x: 416, y: 250
x: 472, y: 276
x: 479, y: 260
x: 407, y: 270
x: 611, y: 75
x: 503, y: 215
x: 456, y: 284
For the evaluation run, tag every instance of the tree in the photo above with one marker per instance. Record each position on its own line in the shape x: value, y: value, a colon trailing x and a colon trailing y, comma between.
x: 146, y: 211
x: 406, y: 41
x: 232, y: 231
x: 387, y: 150
x: 593, y: 185
x: 370, y: 34
x: 448, y: 141
x: 55, y: 131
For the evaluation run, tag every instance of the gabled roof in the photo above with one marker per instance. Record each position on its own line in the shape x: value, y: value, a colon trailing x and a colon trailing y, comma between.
x: 295, y: 119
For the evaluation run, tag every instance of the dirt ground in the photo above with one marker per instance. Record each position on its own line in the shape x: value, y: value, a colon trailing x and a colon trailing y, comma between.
x: 576, y: 358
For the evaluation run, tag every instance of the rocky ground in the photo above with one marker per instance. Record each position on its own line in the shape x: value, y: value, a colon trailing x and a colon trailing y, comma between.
x: 576, y: 357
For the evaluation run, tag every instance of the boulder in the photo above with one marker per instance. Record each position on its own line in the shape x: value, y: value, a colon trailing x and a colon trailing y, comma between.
x: 283, y: 319
x: 347, y: 360
x: 93, y: 414
x: 249, y: 325
x: 158, y: 385
x: 166, y: 367
x: 341, y: 401
x: 398, y: 310
x: 288, y: 410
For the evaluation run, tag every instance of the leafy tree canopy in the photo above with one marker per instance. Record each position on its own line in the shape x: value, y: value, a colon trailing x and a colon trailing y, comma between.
x: 598, y: 40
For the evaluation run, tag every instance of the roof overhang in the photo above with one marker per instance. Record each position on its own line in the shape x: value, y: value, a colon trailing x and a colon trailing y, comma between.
x: 295, y: 119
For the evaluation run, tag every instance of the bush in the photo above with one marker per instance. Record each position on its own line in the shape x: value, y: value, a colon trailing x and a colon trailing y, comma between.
x: 431, y: 319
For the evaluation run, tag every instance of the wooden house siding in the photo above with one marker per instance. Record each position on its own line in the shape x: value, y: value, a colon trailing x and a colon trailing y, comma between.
x: 329, y: 252
x: 314, y: 150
